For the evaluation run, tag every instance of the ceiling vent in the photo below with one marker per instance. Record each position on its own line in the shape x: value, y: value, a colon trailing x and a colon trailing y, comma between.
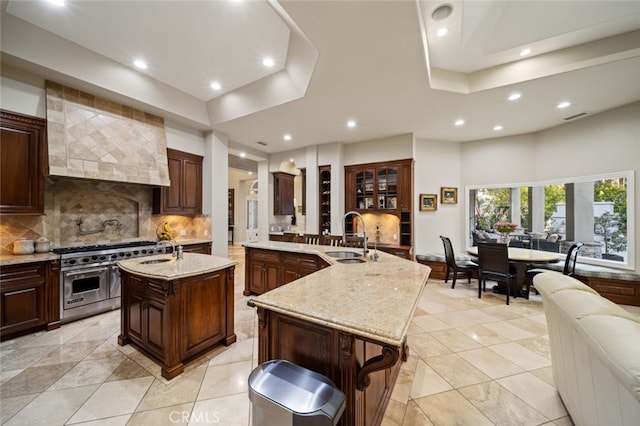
x: 261, y: 143
x: 580, y: 114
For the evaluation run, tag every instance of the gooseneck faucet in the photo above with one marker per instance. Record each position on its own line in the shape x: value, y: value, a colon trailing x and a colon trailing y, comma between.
x: 364, y: 229
x: 177, y: 250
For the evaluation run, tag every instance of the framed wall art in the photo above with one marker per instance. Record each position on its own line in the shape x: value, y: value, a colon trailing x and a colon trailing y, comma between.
x: 428, y: 202
x: 448, y: 195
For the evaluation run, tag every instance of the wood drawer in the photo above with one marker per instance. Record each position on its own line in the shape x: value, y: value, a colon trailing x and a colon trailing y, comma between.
x: 265, y: 256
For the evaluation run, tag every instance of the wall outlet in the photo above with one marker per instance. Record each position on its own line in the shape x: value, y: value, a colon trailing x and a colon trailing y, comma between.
x: 183, y: 232
x: 206, y: 232
x: 395, y: 237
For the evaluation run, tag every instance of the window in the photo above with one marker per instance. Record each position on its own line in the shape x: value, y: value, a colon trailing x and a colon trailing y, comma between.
x: 596, y: 210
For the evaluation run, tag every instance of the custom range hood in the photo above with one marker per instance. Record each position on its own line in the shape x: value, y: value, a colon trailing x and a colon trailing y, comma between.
x: 94, y: 138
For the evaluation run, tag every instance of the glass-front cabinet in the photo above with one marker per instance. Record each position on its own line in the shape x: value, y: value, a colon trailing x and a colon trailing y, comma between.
x: 383, y: 188
x: 388, y: 188
x: 365, y: 197
x: 379, y: 186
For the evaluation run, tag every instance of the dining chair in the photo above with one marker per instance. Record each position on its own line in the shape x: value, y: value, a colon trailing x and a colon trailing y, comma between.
x: 457, y: 268
x: 311, y: 238
x: 493, y: 264
x: 356, y: 242
x: 290, y: 237
x: 569, y: 268
x: 332, y: 240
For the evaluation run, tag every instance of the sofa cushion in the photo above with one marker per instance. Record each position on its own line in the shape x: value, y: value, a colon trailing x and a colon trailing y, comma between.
x: 550, y: 282
x: 580, y: 304
x: 616, y: 341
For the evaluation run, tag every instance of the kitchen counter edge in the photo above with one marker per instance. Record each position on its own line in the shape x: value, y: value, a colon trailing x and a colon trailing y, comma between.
x: 192, y: 265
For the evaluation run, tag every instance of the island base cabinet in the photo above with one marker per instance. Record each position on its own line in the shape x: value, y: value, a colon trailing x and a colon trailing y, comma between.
x: 177, y: 320
x: 269, y: 269
x: 364, y: 370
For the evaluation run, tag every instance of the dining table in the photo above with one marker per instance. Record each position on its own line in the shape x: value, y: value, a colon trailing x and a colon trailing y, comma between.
x: 522, y: 259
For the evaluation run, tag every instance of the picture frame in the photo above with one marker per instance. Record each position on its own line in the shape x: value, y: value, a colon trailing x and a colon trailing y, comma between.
x: 448, y: 195
x: 428, y: 202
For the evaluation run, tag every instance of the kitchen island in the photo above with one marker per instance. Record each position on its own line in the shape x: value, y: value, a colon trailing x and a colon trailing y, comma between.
x: 347, y: 321
x: 175, y: 310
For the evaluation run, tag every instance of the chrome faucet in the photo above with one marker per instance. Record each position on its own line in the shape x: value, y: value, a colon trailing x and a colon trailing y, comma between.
x: 364, y: 229
x: 176, y: 249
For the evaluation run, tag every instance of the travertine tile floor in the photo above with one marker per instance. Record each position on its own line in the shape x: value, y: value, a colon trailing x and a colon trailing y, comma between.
x: 472, y: 362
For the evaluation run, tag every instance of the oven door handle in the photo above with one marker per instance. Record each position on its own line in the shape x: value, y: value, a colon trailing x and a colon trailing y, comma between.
x: 84, y: 271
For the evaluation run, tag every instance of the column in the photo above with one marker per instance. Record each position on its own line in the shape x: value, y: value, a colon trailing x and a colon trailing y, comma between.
x: 536, y: 208
x: 579, y: 211
x: 215, y: 200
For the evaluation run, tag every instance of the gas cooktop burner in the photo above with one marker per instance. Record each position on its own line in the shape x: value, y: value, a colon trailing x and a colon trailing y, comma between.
x: 100, y: 247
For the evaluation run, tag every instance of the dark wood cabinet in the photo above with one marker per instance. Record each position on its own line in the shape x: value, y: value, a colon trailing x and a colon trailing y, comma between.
x: 283, y: 193
x: 231, y: 206
x: 269, y: 269
x: 202, y: 248
x: 400, y: 251
x: 262, y: 271
x: 382, y: 188
x: 29, y: 298
x: 324, y: 201
x: 184, y: 196
x: 298, y: 266
x: 364, y: 370
x: 23, y: 162
x: 177, y: 320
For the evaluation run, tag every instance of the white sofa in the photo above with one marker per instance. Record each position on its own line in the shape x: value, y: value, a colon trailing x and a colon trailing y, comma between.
x: 595, y: 352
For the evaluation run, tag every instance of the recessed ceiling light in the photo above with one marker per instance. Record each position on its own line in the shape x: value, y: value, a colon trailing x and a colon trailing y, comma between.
x: 287, y: 137
x: 514, y: 96
x: 250, y: 172
x: 442, y: 32
x: 351, y: 123
x: 268, y: 62
x: 59, y: 3
x: 459, y: 122
x: 242, y: 154
x: 216, y: 86
x: 563, y: 104
x: 291, y: 160
x: 497, y: 127
x: 525, y: 52
x: 442, y: 12
x: 140, y: 64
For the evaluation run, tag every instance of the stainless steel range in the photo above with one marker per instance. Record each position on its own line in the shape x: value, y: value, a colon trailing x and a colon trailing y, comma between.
x: 90, y: 278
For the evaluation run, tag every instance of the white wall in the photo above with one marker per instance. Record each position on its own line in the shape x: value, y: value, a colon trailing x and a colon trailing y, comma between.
x: 437, y: 164
x: 397, y: 147
x: 24, y: 95
x: 500, y: 160
x: 185, y: 139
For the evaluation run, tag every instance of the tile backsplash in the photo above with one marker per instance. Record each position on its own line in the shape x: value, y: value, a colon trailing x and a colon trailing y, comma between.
x: 69, y: 200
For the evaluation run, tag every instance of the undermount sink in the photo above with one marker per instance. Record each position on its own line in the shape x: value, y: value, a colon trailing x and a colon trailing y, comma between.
x: 342, y: 254
x: 352, y: 260
x: 150, y: 262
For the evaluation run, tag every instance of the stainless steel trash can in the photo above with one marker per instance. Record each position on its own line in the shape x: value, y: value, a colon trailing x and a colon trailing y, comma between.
x: 283, y: 393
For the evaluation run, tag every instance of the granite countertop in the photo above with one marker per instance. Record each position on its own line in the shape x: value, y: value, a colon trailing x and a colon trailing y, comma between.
x: 15, y: 259
x: 374, y: 300
x: 193, y: 264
